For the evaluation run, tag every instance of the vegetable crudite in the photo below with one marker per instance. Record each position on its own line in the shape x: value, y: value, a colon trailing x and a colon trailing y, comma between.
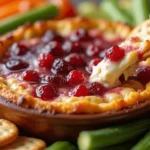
x: 60, y: 145
x: 50, y: 92
x: 44, y: 13
x: 143, y: 143
x: 89, y: 140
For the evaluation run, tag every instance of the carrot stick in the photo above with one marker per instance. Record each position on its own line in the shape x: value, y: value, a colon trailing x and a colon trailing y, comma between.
x: 2, y: 2
x: 17, y: 6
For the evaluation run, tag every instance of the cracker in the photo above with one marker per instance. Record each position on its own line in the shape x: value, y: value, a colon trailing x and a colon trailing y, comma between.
x: 26, y: 143
x: 8, y: 132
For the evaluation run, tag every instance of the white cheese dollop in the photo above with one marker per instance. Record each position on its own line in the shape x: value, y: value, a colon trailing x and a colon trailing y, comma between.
x: 107, y: 73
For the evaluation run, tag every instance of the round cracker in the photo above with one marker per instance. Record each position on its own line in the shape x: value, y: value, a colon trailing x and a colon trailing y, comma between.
x: 26, y: 143
x: 8, y: 132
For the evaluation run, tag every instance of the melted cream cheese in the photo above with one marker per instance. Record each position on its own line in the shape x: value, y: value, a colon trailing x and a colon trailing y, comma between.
x: 17, y: 86
x: 108, y: 73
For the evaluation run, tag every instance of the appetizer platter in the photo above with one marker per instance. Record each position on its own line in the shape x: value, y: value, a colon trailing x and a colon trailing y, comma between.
x: 62, y: 78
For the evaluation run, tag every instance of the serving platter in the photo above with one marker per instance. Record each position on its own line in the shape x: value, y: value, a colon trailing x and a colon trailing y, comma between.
x: 53, y: 125
x: 82, y: 107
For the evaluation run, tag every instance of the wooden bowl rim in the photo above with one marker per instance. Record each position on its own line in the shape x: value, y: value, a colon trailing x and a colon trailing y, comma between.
x: 138, y: 108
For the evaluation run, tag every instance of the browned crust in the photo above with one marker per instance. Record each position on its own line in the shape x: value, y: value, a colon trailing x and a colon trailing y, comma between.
x: 81, y: 106
x: 64, y: 27
x: 29, y: 31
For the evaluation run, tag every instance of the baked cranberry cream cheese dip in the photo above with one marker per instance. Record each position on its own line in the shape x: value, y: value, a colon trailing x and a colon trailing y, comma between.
x: 124, y: 59
x: 64, y: 66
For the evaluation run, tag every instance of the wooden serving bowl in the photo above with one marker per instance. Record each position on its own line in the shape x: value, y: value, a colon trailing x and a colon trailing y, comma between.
x: 52, y: 127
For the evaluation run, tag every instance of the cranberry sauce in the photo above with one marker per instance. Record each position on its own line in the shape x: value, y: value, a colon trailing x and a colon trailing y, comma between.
x: 59, y: 66
x: 115, y: 54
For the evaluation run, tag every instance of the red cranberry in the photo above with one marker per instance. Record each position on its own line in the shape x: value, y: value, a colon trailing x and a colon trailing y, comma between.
x: 46, y: 91
x: 54, y: 48
x: 45, y: 60
x: 55, y: 79
x: 72, y: 47
x: 79, y: 90
x: 93, y: 50
x: 61, y: 67
x: 75, y: 77
x: 79, y: 35
x: 30, y: 75
x: 93, y: 62
x: 115, y: 53
x: 18, y: 49
x: 75, y: 59
x: 16, y: 64
x: 96, y: 88
x: 51, y: 36
x: 143, y: 74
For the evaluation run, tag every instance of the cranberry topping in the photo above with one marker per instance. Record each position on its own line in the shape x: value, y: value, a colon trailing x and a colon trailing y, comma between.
x: 45, y: 60
x: 54, y: 48
x: 61, y: 67
x: 16, y: 64
x: 72, y: 47
x: 80, y: 35
x: 57, y: 59
x: 143, y: 74
x: 76, y: 60
x: 96, y: 88
x: 18, y: 49
x: 93, y: 50
x: 75, y: 77
x: 46, y: 91
x: 115, y: 53
x: 54, y: 79
x: 51, y: 36
x: 80, y: 90
x: 30, y: 75
x: 93, y: 62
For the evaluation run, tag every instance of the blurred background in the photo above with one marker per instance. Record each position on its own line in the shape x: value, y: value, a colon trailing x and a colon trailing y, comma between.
x: 131, y: 12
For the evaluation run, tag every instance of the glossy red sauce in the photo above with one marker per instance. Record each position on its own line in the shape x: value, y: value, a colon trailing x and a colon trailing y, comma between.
x: 57, y: 66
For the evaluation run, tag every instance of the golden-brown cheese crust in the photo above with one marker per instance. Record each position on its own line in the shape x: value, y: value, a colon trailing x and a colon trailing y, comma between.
x: 88, y: 104
x: 111, y: 101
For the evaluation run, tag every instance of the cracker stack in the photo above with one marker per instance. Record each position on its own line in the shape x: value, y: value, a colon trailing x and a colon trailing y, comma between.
x: 9, y: 139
